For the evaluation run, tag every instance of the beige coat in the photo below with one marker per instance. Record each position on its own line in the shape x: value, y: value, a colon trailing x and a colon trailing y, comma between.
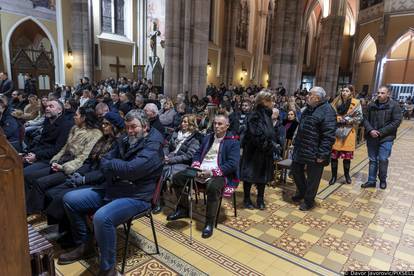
x: 80, y: 143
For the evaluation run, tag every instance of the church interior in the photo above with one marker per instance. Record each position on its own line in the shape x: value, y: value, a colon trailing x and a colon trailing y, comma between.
x: 186, y: 47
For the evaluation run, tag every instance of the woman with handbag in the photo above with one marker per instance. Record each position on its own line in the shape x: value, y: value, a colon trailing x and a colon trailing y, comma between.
x: 348, y: 116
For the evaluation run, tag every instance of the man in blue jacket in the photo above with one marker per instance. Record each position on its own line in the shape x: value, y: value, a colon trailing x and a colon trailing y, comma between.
x: 131, y: 170
x: 218, y: 163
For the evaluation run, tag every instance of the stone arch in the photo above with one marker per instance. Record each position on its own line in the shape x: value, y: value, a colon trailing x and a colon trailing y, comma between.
x: 365, y: 45
x: 364, y: 68
x: 6, y: 45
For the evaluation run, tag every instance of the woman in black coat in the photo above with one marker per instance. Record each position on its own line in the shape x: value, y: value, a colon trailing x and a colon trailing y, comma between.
x: 259, y: 144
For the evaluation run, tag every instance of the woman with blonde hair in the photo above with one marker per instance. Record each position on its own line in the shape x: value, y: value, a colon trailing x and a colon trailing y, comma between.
x: 259, y: 146
x: 167, y: 113
x: 348, y: 116
x: 179, y: 150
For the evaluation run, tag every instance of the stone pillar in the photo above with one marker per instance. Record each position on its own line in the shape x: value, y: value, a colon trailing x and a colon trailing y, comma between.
x: 260, y: 40
x: 231, y: 19
x: 286, y: 57
x: 186, y: 46
x: 329, y: 59
x: 142, y: 31
x: 377, y: 79
x: 81, y: 41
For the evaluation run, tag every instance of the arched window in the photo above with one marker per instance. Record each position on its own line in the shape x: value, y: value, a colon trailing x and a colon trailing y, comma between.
x: 113, y: 16
x: 242, y: 32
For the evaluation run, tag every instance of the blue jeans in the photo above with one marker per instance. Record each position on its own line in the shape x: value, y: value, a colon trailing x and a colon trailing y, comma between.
x: 377, y: 153
x: 108, y: 215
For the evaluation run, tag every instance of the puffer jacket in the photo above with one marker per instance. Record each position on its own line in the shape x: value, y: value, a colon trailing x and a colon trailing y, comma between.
x: 132, y: 171
x: 315, y: 135
x: 385, y: 118
x: 79, y: 144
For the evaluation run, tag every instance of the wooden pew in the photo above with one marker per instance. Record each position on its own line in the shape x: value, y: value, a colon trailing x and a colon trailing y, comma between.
x: 14, y: 245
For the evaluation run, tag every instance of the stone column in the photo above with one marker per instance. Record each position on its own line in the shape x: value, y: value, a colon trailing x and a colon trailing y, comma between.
x: 330, y: 46
x: 381, y: 53
x: 142, y: 31
x: 231, y: 19
x: 260, y: 40
x: 286, y: 52
x: 81, y: 41
x: 186, y: 46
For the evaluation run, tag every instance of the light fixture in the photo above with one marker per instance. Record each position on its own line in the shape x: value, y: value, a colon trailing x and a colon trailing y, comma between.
x: 243, y: 72
x: 209, y: 67
x: 70, y: 55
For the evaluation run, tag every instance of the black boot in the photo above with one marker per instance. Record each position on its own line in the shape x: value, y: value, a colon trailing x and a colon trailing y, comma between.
x: 246, y: 190
x: 347, y: 167
x: 383, y: 170
x: 368, y: 185
x: 334, y: 169
x: 83, y: 251
x: 260, y: 196
x: 211, y: 212
x: 158, y: 208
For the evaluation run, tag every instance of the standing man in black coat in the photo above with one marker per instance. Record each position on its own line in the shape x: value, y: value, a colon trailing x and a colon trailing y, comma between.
x: 381, y: 123
x: 29, y: 85
x: 312, y: 147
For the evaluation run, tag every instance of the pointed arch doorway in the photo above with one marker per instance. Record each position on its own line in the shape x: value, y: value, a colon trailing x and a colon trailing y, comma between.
x: 31, y: 51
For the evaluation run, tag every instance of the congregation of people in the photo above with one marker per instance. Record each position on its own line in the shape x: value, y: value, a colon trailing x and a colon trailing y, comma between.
x: 100, y: 148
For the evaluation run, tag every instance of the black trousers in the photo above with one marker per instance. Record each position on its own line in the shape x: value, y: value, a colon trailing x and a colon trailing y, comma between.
x: 38, y: 178
x: 214, y: 188
x: 307, y: 185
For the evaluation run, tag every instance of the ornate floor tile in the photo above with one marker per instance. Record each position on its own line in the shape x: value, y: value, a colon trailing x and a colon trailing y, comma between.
x: 239, y: 223
x: 332, y: 206
x: 407, y: 241
x: 355, y: 265
x: 375, y: 242
x: 336, y: 244
x: 401, y: 265
x: 370, y: 208
x: 153, y: 268
x: 279, y: 223
x: 388, y: 223
x: 315, y: 223
x: 293, y: 245
x: 351, y: 222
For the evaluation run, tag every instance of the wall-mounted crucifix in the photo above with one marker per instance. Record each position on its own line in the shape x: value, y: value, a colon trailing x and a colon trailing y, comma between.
x: 117, y: 67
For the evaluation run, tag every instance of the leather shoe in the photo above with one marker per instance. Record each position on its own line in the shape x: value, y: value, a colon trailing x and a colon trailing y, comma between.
x: 157, y: 209
x: 207, y: 231
x: 368, y: 185
x: 83, y: 251
x: 333, y: 180
x: 180, y: 213
x: 261, y: 205
x: 248, y: 204
x: 297, y: 198
x: 383, y: 185
x: 109, y: 272
x: 305, y: 207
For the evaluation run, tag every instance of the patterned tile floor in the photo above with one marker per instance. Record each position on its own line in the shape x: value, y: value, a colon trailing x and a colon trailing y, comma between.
x: 350, y: 229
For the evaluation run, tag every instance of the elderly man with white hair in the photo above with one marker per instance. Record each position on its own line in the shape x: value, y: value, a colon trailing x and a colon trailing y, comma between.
x: 312, y: 147
x: 151, y: 110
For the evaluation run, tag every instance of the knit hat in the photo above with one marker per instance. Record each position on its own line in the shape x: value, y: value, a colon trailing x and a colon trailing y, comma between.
x: 115, y: 119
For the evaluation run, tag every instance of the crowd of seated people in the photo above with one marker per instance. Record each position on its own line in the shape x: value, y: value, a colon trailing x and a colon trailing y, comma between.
x: 101, y: 147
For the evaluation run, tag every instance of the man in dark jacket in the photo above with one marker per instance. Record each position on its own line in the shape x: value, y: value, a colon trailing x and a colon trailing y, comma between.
x: 218, y: 163
x: 151, y: 110
x: 29, y: 85
x: 312, y: 147
x: 131, y: 170
x: 381, y: 124
x: 9, y: 124
x: 6, y: 86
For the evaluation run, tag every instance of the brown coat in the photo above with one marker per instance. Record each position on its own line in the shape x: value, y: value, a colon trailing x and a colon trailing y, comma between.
x: 30, y: 112
x: 349, y: 143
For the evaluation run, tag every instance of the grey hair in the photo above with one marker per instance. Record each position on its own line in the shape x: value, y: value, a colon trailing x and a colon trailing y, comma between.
x: 139, y: 115
x: 320, y: 92
x: 153, y: 107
